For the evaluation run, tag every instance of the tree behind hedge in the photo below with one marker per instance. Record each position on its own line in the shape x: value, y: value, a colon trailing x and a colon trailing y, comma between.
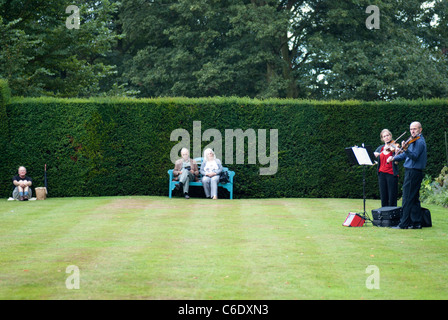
x: 39, y: 55
x: 314, y: 49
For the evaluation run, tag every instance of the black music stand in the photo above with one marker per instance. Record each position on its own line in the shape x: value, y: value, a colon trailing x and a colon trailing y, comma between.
x: 362, y: 156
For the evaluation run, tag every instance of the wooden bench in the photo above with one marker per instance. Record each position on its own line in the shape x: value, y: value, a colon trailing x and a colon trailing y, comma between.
x: 228, y: 185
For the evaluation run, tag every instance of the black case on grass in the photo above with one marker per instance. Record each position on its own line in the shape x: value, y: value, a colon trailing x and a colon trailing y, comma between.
x: 387, y: 216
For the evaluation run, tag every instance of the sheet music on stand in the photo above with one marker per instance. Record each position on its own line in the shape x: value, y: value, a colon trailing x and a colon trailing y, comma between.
x: 362, y: 155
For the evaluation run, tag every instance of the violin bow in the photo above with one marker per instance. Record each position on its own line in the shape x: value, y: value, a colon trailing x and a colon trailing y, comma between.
x: 400, y: 136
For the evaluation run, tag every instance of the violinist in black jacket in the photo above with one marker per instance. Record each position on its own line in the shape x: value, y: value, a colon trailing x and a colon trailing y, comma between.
x: 414, y: 154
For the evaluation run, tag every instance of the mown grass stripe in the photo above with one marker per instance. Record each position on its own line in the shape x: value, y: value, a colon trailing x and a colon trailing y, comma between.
x: 139, y: 238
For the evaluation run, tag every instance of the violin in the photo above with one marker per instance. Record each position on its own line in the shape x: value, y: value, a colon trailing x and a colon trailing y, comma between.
x: 392, y: 145
x: 406, y: 145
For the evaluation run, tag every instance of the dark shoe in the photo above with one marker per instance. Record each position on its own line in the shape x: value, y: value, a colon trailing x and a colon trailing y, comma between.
x: 186, y: 196
x: 25, y: 198
x: 415, y: 227
x: 21, y: 198
x: 179, y: 186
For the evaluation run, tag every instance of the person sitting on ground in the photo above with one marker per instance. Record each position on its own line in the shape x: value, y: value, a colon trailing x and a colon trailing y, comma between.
x: 22, y: 183
x: 185, y: 170
x: 210, y: 170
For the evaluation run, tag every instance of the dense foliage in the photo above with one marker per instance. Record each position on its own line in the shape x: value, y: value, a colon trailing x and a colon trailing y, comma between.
x: 318, y: 49
x: 4, y: 130
x: 39, y: 55
x: 435, y: 191
x: 313, y: 49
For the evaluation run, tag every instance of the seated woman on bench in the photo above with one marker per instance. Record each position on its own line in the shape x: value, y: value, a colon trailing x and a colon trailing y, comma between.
x: 210, y: 170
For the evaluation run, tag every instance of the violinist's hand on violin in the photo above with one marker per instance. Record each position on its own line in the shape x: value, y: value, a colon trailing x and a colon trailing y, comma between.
x: 390, y: 159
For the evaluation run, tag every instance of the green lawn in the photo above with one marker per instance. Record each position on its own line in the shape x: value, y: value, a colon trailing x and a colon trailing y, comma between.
x: 160, y: 248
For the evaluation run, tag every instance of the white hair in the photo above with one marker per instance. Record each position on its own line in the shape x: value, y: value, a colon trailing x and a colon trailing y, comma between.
x: 207, y: 151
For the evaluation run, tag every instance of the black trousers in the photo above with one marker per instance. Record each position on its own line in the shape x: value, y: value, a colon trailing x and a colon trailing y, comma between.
x: 388, y: 189
x: 412, y: 211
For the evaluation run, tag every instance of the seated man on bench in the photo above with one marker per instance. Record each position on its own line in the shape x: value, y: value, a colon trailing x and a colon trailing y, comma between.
x: 185, y: 170
x: 22, y: 183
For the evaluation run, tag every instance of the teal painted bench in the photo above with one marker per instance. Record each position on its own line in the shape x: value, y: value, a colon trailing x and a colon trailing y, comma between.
x: 228, y: 186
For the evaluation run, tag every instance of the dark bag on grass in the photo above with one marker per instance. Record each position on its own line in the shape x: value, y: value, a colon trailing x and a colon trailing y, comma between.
x: 426, y: 218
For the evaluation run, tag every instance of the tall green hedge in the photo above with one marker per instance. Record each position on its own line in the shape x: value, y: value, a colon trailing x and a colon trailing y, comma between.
x: 122, y: 146
x: 5, y: 95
